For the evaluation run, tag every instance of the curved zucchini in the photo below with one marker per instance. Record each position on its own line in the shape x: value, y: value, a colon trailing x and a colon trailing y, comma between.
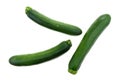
x: 52, y: 24
x: 39, y: 57
x: 87, y: 42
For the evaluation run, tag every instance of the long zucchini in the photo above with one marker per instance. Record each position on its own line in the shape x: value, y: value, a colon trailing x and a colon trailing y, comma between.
x: 87, y: 42
x: 52, y: 24
x: 40, y: 57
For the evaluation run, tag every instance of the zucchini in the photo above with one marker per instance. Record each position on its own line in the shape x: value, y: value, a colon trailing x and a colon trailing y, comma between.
x: 52, y: 24
x: 87, y: 42
x: 40, y: 57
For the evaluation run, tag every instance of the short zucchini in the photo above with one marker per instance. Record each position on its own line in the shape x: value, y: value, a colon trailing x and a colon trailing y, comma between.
x: 87, y: 42
x: 39, y: 57
x: 52, y: 24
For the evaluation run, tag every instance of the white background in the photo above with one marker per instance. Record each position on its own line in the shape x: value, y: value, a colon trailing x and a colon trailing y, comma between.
x: 20, y: 35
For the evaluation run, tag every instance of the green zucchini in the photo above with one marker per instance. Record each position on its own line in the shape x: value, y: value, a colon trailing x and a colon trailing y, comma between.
x: 52, y: 24
x: 40, y: 57
x: 87, y: 42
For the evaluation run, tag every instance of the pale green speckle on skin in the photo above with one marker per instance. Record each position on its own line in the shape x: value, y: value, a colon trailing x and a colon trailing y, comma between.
x: 58, y: 25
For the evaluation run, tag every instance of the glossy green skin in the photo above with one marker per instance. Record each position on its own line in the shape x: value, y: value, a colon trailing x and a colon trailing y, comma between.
x: 87, y: 42
x: 35, y: 58
x: 52, y: 24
